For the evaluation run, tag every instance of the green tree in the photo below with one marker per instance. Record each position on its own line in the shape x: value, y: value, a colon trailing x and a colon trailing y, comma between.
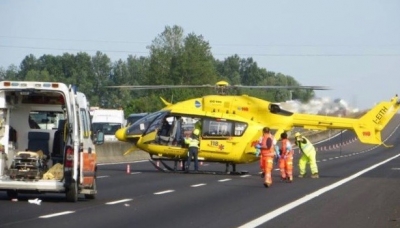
x: 229, y: 69
x: 36, y: 75
x: 30, y: 62
x: 101, y: 66
x: 10, y: 74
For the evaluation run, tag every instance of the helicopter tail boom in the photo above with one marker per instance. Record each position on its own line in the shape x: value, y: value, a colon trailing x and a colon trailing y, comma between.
x: 374, y: 121
x: 368, y: 127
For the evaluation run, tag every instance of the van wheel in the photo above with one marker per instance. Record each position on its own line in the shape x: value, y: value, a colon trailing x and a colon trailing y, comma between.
x: 94, y: 187
x: 72, y: 193
x: 12, y: 194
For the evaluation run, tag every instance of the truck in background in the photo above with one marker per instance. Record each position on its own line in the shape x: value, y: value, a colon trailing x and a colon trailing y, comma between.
x: 107, y: 122
x: 46, y: 158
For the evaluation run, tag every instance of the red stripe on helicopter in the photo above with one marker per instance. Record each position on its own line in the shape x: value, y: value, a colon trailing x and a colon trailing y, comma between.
x: 366, y: 133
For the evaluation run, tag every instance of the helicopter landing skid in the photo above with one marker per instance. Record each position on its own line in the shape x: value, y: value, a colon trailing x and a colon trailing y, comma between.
x: 157, y: 166
x: 169, y: 169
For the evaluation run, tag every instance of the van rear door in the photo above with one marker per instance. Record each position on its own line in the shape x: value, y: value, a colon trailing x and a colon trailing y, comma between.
x: 87, y: 153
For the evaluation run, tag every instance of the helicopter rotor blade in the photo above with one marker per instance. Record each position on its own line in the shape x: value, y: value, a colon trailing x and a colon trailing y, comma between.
x: 222, y: 85
x: 282, y: 87
x: 142, y: 87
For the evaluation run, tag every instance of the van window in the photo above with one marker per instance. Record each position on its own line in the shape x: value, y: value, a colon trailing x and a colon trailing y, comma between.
x: 106, y: 128
x: 44, y: 119
x: 85, y: 122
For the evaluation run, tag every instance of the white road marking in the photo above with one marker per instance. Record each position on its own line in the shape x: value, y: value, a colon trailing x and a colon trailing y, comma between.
x: 395, y: 168
x: 102, y: 177
x: 265, y: 218
x: 133, y: 173
x: 119, y: 201
x: 197, y: 185
x: 247, y: 175
x: 56, y: 214
x: 164, y: 192
x: 223, y: 180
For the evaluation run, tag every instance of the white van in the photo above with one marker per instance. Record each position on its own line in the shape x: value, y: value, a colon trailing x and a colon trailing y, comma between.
x: 107, y: 121
x: 45, y: 133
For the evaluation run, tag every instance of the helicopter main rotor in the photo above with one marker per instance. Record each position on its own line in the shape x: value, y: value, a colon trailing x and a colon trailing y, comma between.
x: 221, y: 87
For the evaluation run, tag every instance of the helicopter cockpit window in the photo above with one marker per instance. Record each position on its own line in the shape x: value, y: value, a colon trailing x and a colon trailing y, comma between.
x: 217, y: 128
x: 239, y: 128
x: 157, y: 124
x: 142, y: 124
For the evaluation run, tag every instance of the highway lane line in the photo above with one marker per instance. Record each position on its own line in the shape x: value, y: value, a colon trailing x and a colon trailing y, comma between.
x: 223, y: 180
x: 98, y: 177
x: 265, y: 218
x: 56, y: 214
x: 197, y: 185
x: 118, y: 201
x: 164, y: 192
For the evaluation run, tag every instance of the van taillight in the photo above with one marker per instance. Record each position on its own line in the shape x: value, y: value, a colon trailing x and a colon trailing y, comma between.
x: 69, y: 157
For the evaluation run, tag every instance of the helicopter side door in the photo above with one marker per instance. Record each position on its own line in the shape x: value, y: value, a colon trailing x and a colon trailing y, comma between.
x: 216, y: 137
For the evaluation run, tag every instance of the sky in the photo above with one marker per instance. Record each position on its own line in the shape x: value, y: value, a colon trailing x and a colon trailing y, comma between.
x: 353, y: 47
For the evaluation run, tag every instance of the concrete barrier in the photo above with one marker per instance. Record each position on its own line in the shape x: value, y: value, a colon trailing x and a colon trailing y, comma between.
x: 111, y: 152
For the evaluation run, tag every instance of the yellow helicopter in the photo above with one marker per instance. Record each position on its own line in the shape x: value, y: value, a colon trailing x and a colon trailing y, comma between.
x: 230, y: 126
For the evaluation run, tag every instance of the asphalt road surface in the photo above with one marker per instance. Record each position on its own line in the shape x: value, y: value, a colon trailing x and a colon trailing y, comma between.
x: 358, y: 187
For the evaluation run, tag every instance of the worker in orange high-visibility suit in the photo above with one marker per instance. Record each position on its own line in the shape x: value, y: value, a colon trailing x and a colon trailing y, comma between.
x: 258, y: 154
x: 286, y: 159
x: 267, y: 155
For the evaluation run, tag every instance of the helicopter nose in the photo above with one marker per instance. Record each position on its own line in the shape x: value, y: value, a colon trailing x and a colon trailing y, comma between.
x: 120, y: 134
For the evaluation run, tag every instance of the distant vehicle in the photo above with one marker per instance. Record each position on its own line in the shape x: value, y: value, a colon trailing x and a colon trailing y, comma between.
x: 107, y: 121
x: 132, y: 118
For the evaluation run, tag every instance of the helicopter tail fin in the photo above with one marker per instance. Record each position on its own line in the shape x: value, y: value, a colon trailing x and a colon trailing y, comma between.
x: 370, y: 125
x: 165, y: 102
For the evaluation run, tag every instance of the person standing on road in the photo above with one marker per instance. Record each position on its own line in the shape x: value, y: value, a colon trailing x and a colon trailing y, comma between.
x: 267, y: 155
x: 285, y: 158
x: 193, y: 144
x: 308, y: 156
